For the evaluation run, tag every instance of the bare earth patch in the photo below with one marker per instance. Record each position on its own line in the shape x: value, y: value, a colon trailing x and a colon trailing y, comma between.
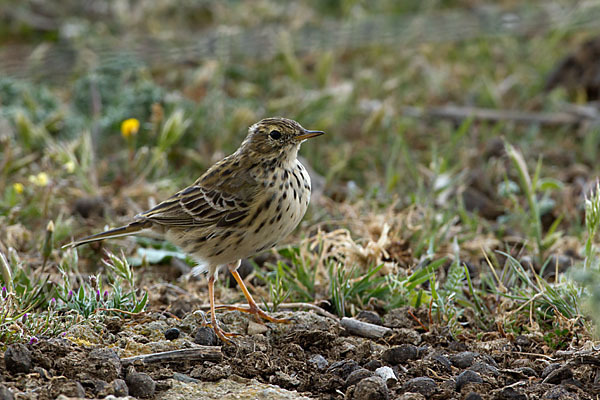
x: 315, y: 357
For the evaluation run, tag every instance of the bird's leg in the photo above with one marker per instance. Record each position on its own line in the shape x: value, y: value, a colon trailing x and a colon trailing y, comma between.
x: 253, y: 308
x: 213, y: 319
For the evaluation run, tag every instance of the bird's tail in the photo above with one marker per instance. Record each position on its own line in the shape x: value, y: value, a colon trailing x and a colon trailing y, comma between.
x: 122, y: 231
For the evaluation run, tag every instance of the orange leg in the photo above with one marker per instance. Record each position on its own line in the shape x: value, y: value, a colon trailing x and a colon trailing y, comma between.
x: 253, y: 308
x: 213, y: 319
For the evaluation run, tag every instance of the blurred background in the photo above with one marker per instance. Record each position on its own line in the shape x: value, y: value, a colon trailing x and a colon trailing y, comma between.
x: 455, y: 129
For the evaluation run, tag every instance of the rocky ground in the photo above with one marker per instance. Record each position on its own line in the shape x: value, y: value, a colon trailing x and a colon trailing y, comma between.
x: 313, y: 357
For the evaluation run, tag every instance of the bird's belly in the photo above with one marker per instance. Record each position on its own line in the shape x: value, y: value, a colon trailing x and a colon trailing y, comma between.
x: 262, y: 230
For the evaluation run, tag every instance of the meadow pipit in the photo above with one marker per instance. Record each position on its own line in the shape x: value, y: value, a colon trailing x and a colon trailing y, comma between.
x: 244, y: 204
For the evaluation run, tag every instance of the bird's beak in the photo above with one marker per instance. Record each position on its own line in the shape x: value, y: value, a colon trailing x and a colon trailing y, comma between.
x: 309, y: 134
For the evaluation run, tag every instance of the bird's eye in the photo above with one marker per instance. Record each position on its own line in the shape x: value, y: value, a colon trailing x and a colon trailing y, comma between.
x: 275, y: 134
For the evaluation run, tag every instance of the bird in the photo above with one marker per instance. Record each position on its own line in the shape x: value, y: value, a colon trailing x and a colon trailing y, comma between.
x: 244, y: 204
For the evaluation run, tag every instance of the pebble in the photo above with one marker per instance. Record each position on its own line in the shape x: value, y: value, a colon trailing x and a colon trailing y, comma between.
x: 443, y: 362
x: 343, y: 368
x: 424, y: 385
x: 254, y: 328
x: 140, y: 384
x: 473, y: 396
x: 411, y: 396
x: 557, y: 393
x: 172, y: 334
x: 509, y: 393
x: 527, y: 371
x: 5, y: 393
x: 522, y: 341
x: 465, y: 377
x: 17, y: 358
x: 549, y: 368
x: 97, y: 386
x: 373, y: 365
x: 356, y: 376
x: 400, y: 354
x: 369, y: 316
x: 205, y: 336
x: 318, y: 361
x: 484, y: 369
x: 120, y: 388
x: 71, y: 389
x: 103, y: 363
x: 387, y: 374
x: 463, y: 359
x: 372, y: 388
x: 558, y: 375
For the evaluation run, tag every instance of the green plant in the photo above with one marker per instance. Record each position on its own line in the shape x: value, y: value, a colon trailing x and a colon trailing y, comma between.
x: 278, y: 289
x: 533, y: 187
x: 90, y: 297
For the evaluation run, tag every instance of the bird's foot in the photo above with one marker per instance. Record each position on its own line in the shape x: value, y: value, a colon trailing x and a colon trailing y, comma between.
x: 257, y: 312
x: 223, y: 335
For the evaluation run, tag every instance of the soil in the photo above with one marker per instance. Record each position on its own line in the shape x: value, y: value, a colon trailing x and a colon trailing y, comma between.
x: 313, y: 357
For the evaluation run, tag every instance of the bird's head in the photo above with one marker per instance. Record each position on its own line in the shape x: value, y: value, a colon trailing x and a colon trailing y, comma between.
x: 276, y: 138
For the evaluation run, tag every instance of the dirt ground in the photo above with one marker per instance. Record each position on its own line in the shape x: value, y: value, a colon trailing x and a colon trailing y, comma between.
x: 312, y: 357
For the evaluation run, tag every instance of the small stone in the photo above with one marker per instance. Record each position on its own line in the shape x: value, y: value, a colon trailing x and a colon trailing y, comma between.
x: 172, y: 334
x: 120, y: 388
x: 558, y: 393
x: 356, y: 376
x: 103, y: 363
x: 549, y: 368
x: 5, y: 393
x: 527, y: 371
x: 205, y: 336
x: 558, y: 375
x: 484, y: 369
x: 465, y: 377
x: 457, y: 346
x: 463, y: 359
x: 97, y: 386
x: 42, y: 372
x: 522, y: 341
x: 254, y: 328
x: 373, y: 365
x: 369, y: 316
x: 69, y: 389
x: 424, y: 385
x: 400, y: 354
x: 140, y: 384
x: 411, y: 396
x: 387, y: 374
x: 17, y: 358
x: 343, y: 368
x: 509, y: 393
x: 372, y: 388
x: 473, y: 396
x: 318, y: 361
x: 443, y: 362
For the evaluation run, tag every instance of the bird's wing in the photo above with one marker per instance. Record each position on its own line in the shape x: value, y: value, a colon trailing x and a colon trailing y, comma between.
x: 213, y: 200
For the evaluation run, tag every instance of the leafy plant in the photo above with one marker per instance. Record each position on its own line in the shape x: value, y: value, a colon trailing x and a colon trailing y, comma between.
x: 90, y: 297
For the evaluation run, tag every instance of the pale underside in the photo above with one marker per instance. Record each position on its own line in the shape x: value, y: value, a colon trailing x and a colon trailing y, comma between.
x: 216, y: 228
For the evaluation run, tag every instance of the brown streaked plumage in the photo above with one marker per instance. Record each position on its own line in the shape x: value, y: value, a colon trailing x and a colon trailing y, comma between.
x: 244, y: 204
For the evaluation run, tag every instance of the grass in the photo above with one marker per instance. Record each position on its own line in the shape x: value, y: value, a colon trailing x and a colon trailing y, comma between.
x: 399, y: 221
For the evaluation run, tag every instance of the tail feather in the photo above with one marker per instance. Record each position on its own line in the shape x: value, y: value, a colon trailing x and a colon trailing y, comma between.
x: 113, y: 233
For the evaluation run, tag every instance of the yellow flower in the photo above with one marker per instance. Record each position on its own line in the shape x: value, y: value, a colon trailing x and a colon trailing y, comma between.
x: 129, y: 127
x: 18, y: 187
x: 40, y: 179
x: 69, y: 166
